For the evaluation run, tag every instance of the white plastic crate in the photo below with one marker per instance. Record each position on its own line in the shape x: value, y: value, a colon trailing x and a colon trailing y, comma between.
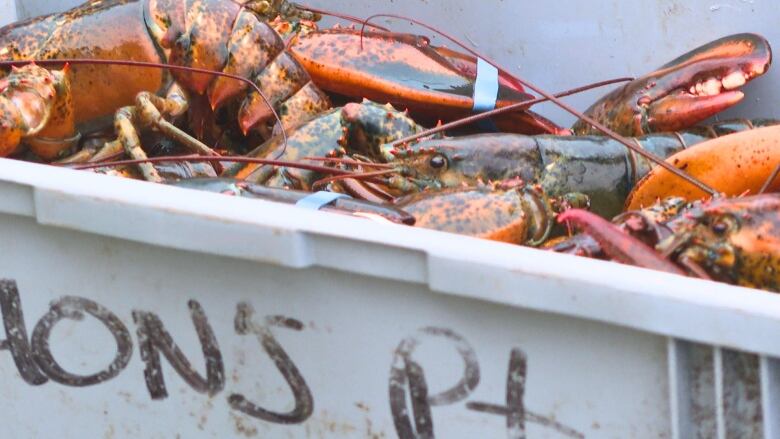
x: 318, y: 325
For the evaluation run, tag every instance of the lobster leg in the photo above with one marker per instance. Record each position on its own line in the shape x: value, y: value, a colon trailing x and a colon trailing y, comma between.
x: 151, y: 110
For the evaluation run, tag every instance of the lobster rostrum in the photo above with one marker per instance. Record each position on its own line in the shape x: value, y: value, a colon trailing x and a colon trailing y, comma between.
x: 685, y: 91
x: 734, y: 240
x: 595, y: 166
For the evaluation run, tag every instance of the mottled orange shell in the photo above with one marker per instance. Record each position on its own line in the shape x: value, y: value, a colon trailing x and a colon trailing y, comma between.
x: 735, y: 164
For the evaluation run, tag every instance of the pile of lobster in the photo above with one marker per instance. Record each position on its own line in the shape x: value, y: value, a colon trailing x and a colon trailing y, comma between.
x: 252, y: 98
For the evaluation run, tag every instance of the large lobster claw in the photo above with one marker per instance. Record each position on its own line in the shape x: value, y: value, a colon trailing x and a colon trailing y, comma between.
x: 686, y: 91
x: 408, y: 72
x: 735, y: 164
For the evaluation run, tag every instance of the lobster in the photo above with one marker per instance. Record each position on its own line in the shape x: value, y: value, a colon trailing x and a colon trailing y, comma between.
x: 734, y: 240
x: 176, y: 32
x: 596, y: 166
x: 234, y: 37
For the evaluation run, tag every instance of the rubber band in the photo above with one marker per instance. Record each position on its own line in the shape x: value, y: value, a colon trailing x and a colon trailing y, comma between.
x: 485, y: 92
x: 485, y: 87
x: 318, y: 200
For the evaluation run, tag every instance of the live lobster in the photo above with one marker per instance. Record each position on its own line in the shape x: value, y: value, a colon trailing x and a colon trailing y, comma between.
x: 236, y: 37
x: 595, y: 166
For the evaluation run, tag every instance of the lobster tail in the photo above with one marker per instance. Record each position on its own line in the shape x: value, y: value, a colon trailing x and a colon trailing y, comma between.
x: 279, y: 81
x: 194, y: 34
x: 253, y: 45
x: 203, y: 44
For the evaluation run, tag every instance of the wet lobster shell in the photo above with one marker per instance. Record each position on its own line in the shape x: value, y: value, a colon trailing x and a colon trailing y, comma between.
x: 728, y: 239
x: 516, y: 215
x: 220, y: 35
x: 685, y: 91
x: 407, y: 71
x: 596, y: 166
x: 735, y: 164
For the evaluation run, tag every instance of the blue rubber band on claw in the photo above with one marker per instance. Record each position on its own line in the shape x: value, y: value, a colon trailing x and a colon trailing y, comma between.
x: 485, y: 92
x: 318, y: 200
x: 485, y: 87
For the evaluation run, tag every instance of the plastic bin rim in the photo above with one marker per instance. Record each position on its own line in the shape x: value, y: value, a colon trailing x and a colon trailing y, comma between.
x: 508, y: 275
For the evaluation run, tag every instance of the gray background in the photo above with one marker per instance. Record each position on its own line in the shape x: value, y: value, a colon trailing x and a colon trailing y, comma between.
x: 562, y: 44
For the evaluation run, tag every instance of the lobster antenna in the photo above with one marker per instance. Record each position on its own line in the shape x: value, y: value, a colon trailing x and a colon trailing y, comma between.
x: 77, y: 61
x: 569, y: 109
x: 508, y: 109
x: 346, y: 17
x: 356, y: 176
x: 345, y: 161
x: 200, y: 158
x: 770, y: 180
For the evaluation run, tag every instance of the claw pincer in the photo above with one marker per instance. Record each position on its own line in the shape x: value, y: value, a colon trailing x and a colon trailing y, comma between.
x: 684, y: 92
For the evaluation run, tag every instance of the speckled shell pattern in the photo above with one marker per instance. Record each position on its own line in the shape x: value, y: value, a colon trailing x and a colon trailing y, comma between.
x: 635, y: 108
x: 28, y: 100
x: 516, y: 216
x: 352, y: 129
x: 596, y: 166
x: 735, y: 240
x: 217, y: 35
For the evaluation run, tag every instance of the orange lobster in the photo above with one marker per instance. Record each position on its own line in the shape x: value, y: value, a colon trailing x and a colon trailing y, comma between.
x: 230, y: 36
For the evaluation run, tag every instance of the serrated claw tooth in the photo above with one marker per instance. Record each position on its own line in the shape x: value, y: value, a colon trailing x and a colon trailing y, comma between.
x: 734, y: 80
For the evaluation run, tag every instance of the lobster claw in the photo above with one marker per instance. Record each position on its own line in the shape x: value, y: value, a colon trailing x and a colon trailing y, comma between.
x: 618, y: 245
x: 410, y: 73
x: 686, y: 91
x: 735, y: 164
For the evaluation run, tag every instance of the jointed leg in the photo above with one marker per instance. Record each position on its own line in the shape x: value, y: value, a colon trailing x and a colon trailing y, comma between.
x: 151, y: 110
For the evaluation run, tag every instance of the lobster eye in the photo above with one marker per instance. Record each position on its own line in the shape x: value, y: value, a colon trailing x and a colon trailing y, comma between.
x: 438, y: 161
x: 723, y: 225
